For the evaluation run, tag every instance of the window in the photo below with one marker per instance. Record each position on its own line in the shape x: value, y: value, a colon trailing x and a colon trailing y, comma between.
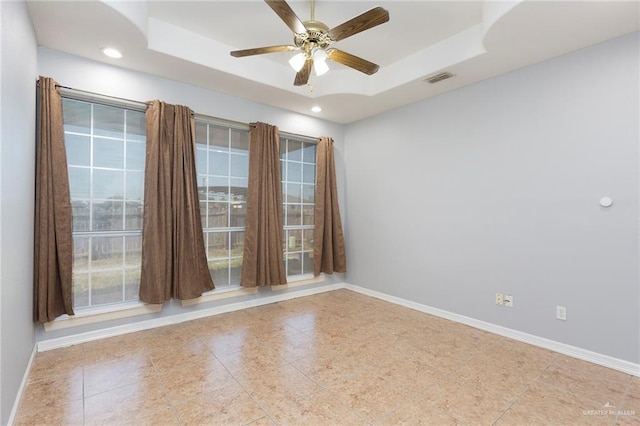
x: 222, y: 165
x: 106, y: 157
x: 298, y: 168
x: 105, y: 153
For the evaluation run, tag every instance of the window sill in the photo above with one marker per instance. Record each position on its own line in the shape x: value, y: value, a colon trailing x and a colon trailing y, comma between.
x: 132, y: 309
x: 221, y: 294
x: 299, y: 281
x: 102, y: 314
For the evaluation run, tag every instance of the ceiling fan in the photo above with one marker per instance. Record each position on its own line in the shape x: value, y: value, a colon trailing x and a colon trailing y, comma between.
x: 313, y: 38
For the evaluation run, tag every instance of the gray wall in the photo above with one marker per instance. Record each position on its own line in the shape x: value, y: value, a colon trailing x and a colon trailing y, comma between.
x: 495, y: 188
x: 105, y: 79
x: 17, y: 161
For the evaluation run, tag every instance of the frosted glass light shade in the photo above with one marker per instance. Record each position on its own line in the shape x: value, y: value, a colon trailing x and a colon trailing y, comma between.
x: 320, y: 67
x: 297, y: 61
x: 319, y: 55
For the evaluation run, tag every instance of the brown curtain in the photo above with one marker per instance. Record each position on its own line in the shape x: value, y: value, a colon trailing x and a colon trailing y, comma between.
x: 53, y: 252
x: 174, y: 262
x: 328, y: 247
x: 262, y: 259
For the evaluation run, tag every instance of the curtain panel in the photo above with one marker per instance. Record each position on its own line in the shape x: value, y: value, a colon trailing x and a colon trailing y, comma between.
x: 53, y: 251
x: 262, y: 263
x: 328, y: 247
x: 174, y: 261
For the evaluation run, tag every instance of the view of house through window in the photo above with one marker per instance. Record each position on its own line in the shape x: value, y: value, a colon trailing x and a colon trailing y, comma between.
x: 106, y: 153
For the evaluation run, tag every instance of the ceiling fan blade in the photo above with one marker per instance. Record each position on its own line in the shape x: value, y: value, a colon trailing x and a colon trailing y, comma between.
x: 352, y: 61
x: 262, y: 50
x: 303, y: 75
x: 284, y: 11
x: 369, y: 19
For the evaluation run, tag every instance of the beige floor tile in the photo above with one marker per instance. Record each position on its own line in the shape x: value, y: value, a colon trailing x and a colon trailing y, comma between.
x: 629, y: 412
x: 329, y: 367
x: 587, y: 380
x: 503, y: 375
x: 120, y: 372
x: 67, y: 414
x: 632, y: 397
x: 54, y: 398
x: 225, y: 342
x: 291, y: 346
x: 302, y: 321
x: 230, y: 405
x: 521, y: 416
x: 262, y: 421
x: 544, y: 404
x: 446, y: 361
x: 417, y: 412
x: 113, y: 349
x: 318, y: 409
x: 333, y: 358
x: 189, y: 380
x: 249, y: 362
x: 265, y: 331
x: 175, y: 352
x: 412, y: 372
x: 370, y: 395
x: 130, y: 403
x: 163, y: 417
x: 222, y: 323
x: 628, y: 420
x: 467, y: 402
x: 156, y: 340
x: 58, y: 362
x: 282, y: 385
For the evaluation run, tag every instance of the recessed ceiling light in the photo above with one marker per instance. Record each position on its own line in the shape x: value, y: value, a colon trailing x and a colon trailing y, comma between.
x: 316, y: 109
x: 112, y: 53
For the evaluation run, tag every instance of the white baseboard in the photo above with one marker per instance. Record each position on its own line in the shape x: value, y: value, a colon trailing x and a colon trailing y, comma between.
x: 572, y: 351
x: 575, y: 352
x: 23, y: 384
x: 75, y: 339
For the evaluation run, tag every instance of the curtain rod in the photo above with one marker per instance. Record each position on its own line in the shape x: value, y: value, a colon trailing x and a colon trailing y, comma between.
x: 142, y: 105
x: 292, y: 135
x: 87, y: 95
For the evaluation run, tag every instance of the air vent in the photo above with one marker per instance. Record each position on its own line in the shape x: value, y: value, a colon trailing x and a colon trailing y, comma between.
x: 439, y: 77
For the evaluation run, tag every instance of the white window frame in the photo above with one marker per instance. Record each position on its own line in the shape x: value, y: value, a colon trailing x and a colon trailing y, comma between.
x: 230, y: 259
x: 125, y: 303
x: 288, y: 254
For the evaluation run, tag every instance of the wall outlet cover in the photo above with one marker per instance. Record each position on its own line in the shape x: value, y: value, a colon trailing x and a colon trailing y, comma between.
x: 508, y: 300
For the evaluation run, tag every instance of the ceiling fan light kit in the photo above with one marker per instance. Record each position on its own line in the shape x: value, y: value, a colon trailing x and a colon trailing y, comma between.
x: 312, y: 39
x: 297, y: 61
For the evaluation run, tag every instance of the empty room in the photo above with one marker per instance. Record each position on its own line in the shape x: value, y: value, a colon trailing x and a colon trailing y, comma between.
x: 319, y: 212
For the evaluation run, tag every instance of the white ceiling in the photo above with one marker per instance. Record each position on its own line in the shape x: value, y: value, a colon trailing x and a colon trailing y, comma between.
x: 190, y: 41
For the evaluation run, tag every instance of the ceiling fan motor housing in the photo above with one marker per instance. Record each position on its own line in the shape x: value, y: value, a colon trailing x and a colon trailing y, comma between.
x: 315, y: 36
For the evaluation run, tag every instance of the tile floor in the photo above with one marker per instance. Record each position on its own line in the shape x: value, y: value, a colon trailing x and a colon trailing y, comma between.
x: 337, y: 358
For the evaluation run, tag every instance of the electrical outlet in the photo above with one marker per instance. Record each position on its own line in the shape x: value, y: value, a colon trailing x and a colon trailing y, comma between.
x: 499, y: 299
x: 561, y: 313
x: 508, y: 301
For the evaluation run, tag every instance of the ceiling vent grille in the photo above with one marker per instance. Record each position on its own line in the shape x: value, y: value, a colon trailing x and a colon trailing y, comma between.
x: 439, y: 77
